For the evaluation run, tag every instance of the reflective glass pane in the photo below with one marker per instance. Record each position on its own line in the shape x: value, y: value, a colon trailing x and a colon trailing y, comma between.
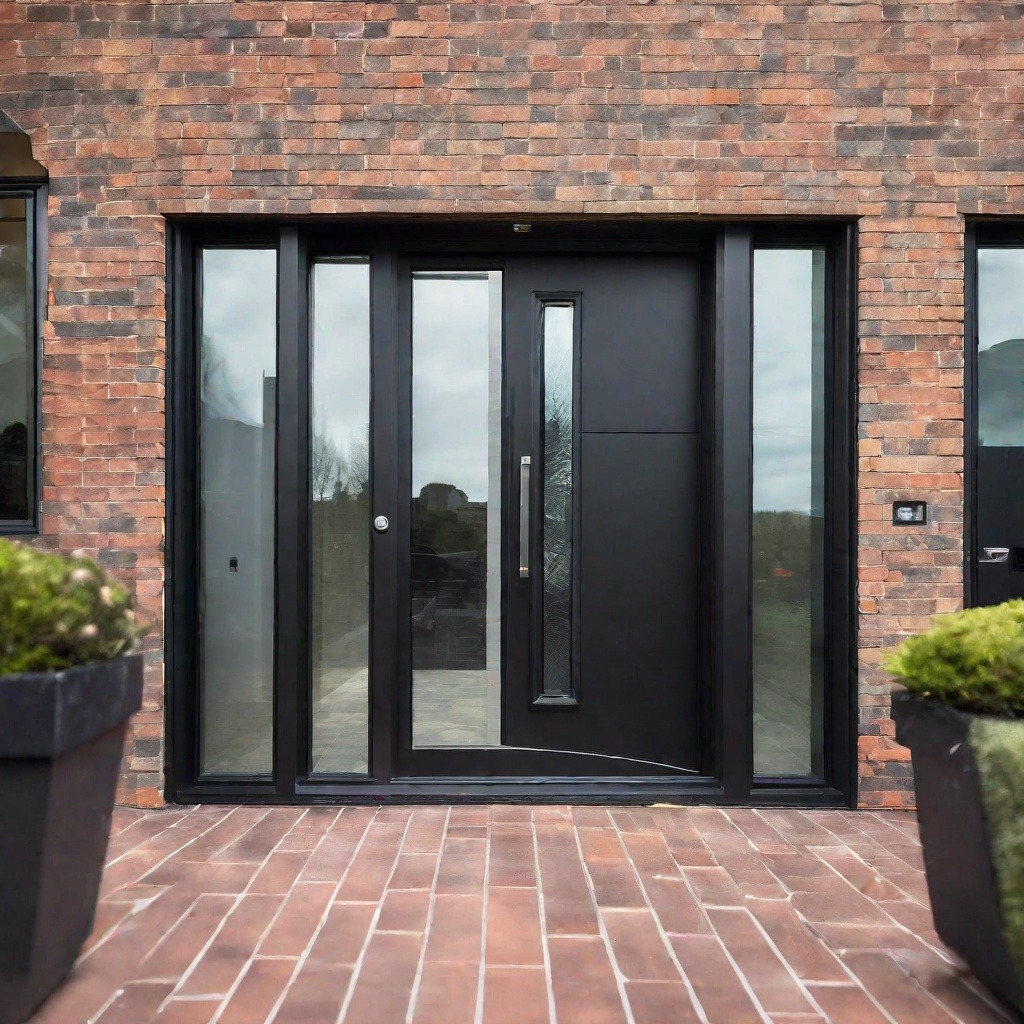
x: 558, y: 498
x: 17, y: 363
x: 340, y: 544
x: 1001, y: 348
x: 238, y: 388
x: 456, y: 509
x: 788, y: 511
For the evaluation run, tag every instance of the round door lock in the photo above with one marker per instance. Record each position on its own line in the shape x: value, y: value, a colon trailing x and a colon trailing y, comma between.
x: 381, y: 524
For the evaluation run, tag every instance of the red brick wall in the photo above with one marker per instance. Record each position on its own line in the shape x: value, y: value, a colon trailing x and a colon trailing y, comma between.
x: 905, y: 115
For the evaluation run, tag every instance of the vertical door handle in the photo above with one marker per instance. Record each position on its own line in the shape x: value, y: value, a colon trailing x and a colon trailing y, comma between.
x: 524, y: 517
x: 993, y: 555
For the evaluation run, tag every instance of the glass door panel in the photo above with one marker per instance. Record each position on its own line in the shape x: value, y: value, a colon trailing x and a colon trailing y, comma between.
x: 455, y: 562
x: 340, y: 503
x: 558, y: 427
x: 238, y: 395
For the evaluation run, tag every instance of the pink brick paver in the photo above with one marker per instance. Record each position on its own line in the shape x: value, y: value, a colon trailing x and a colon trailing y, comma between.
x: 515, y: 915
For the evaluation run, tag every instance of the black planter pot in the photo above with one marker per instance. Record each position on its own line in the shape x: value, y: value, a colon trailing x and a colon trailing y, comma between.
x: 956, y: 840
x: 61, y: 740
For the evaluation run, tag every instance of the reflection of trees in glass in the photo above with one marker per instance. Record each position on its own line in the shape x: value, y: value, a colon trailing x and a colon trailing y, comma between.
x: 558, y: 430
x: 783, y: 548
x: 340, y: 556
x: 787, y: 626
x: 218, y: 386
x: 333, y: 468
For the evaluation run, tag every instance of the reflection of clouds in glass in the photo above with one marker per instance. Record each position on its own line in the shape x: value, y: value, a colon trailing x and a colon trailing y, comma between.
x: 451, y: 353
x: 1000, y: 296
x: 239, y: 326
x: 341, y: 371
x: 783, y: 379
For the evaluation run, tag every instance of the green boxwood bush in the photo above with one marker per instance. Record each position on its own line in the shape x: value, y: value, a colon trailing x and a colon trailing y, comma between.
x: 58, y: 610
x: 972, y: 660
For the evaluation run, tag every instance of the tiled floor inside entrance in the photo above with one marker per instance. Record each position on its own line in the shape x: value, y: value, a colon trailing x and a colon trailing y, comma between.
x: 515, y: 915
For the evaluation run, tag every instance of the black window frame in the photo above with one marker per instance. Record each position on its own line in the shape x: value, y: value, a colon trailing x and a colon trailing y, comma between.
x: 34, y: 192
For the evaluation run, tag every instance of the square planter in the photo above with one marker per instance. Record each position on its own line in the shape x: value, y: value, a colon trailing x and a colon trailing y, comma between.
x: 973, y: 861
x: 61, y: 741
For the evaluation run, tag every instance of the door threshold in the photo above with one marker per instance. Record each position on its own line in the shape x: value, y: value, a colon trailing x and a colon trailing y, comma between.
x: 636, y: 791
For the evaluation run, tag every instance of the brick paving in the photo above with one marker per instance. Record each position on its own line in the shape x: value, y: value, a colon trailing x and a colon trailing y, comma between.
x: 525, y: 915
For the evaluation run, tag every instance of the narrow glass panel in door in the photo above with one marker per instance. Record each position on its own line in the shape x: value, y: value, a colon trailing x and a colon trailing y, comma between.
x: 455, y: 562
x: 238, y: 398
x: 340, y: 540
x: 558, y: 344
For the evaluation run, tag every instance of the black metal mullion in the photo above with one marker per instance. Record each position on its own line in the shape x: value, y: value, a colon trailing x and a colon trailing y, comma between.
x: 970, y: 538
x: 841, y: 511
x: 180, y: 598
x: 387, y: 421
x: 733, y: 467
x: 39, y: 256
x: 291, y: 520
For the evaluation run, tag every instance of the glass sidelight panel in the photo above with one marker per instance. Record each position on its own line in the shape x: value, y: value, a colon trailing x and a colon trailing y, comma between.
x: 558, y: 427
x: 456, y: 509
x: 340, y: 542
x: 788, y: 511
x: 238, y: 393
x: 999, y: 439
x: 1000, y: 348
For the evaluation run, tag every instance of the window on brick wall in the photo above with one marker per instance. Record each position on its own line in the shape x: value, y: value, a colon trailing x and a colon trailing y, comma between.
x: 22, y: 181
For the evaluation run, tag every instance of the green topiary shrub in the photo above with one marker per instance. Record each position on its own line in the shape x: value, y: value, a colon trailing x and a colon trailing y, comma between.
x: 971, y: 660
x: 57, y: 611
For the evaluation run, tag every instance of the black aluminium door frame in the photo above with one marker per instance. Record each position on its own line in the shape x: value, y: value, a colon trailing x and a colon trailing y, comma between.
x: 979, y: 233
x: 726, y: 254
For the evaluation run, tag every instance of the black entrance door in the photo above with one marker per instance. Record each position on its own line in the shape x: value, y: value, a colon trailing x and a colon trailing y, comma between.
x: 553, y: 570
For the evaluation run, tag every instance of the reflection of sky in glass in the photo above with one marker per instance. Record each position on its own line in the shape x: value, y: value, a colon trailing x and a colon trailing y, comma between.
x: 239, y: 330
x: 451, y: 352
x: 341, y: 366
x: 783, y: 345
x: 1000, y: 296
